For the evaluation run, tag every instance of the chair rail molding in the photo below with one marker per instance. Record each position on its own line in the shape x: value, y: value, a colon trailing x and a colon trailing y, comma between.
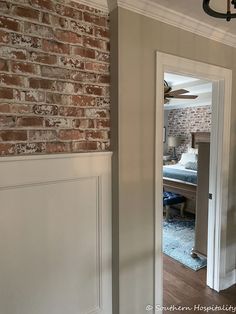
x: 158, y: 12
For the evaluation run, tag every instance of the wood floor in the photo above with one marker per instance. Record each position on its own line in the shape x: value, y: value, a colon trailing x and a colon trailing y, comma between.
x: 185, y: 287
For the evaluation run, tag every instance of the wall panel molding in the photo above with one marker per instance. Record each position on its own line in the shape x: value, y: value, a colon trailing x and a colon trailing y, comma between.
x: 55, y: 217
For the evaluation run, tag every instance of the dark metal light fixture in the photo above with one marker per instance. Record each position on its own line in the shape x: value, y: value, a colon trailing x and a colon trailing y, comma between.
x: 228, y: 15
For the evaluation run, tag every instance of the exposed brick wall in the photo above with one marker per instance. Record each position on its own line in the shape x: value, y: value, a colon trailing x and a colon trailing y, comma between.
x: 181, y: 122
x: 54, y: 77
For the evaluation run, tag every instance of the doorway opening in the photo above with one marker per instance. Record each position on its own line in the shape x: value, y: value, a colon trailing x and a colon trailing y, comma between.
x: 186, y: 176
x: 219, y: 167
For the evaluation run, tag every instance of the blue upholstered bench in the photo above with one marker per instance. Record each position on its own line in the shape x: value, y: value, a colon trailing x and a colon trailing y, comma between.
x: 171, y: 198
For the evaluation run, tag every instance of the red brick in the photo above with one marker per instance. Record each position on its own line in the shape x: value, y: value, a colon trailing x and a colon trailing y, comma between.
x: 6, y: 79
x: 6, y: 149
x: 23, y: 67
x: 43, y: 4
x: 85, y: 77
x: 94, y: 90
x: 83, y: 101
x: 56, y: 73
x: 4, y: 37
x: 42, y: 58
x: 58, y: 122
x: 84, y: 123
x: 69, y: 37
x: 5, y: 108
x: 68, y: 87
x: 10, y: 24
x: 68, y: 11
x: 38, y: 30
x: 58, y: 99
x: 34, y: 96
x: 58, y: 147
x: 7, y: 121
x: 104, y: 79
x: 91, y: 135
x: 55, y: 21
x: 29, y: 148
x: 83, y: 52
x: 81, y: 28
x: 3, y: 65
x: 26, y: 12
x: 12, y: 136
x: 102, y: 102
x: 66, y: 135
x: 94, y: 43
x: 18, y: 54
x: 84, y: 7
x: 72, y: 62
x: 21, y: 109
x: 54, y: 46
x: 95, y: 19
x: 26, y: 41
x: 6, y: 93
x: 102, y: 123
x: 29, y: 121
x: 41, y: 83
x: 102, y: 32
x: 95, y: 113
x: 84, y: 146
x: 5, y: 7
x: 46, y: 110
x: 12, y: 53
x: 42, y: 135
x: 71, y: 111
x: 102, y: 56
x: 97, y: 67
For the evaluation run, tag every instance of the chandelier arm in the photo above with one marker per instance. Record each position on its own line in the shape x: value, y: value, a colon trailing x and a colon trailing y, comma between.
x: 211, y: 12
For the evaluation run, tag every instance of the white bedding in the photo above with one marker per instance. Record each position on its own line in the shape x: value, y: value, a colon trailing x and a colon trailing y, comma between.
x: 180, y: 167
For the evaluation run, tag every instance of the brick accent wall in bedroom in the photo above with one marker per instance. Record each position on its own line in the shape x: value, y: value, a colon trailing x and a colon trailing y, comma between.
x: 54, y: 77
x: 181, y: 122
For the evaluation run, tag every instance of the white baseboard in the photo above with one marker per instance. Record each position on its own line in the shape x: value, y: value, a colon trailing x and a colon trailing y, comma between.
x: 229, y: 280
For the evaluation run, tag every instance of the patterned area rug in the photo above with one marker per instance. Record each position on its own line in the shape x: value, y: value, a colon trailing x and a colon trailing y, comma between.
x: 178, y: 240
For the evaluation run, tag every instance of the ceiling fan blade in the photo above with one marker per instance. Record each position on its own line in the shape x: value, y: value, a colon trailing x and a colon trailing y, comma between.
x: 177, y: 92
x: 183, y: 96
x: 167, y: 89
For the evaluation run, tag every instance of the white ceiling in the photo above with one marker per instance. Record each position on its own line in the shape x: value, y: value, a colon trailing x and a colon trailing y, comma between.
x: 193, y: 9
x: 195, y: 86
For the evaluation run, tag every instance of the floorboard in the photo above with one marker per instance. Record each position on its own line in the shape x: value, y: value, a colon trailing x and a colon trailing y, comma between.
x: 185, y: 287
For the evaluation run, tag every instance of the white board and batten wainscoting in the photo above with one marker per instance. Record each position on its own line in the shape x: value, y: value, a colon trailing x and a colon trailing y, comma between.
x: 55, y: 234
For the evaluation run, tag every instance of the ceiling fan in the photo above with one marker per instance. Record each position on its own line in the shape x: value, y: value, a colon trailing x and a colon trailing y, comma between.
x: 177, y: 94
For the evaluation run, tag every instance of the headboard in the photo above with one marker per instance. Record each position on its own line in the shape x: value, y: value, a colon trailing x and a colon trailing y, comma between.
x: 200, y: 137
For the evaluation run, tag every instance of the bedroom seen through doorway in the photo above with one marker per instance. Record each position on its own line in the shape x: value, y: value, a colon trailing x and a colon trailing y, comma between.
x: 186, y: 168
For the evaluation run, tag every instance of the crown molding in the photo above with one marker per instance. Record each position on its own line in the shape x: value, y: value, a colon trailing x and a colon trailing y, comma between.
x: 97, y: 4
x: 158, y: 12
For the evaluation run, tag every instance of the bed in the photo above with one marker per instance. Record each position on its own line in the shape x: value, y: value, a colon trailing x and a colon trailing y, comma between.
x: 178, y: 179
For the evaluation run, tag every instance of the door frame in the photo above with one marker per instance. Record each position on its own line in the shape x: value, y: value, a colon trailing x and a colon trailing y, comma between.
x: 219, y: 166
